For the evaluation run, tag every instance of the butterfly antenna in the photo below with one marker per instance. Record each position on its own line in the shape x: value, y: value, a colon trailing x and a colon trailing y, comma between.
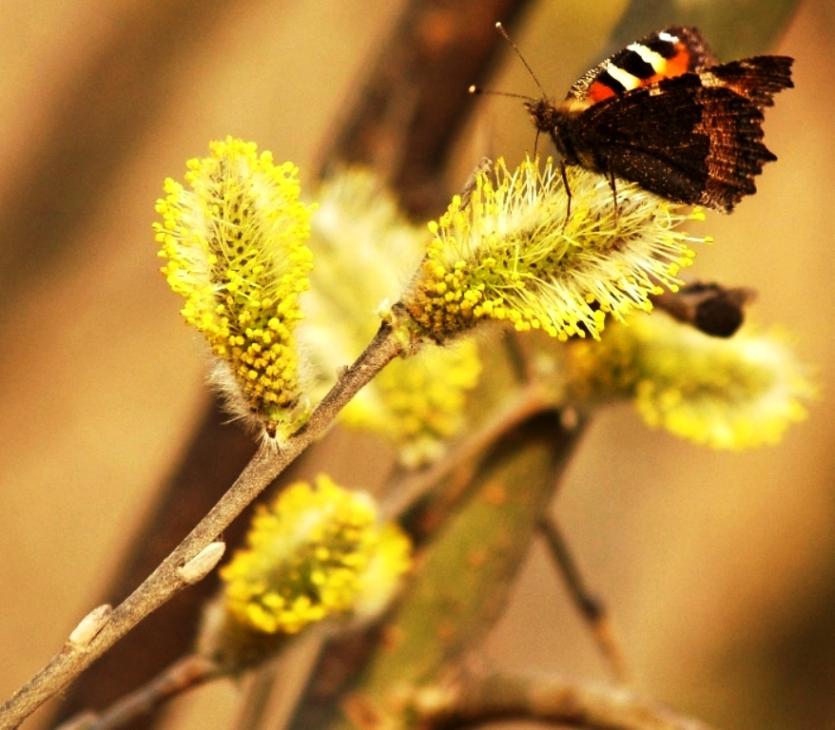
x: 500, y: 28
x: 476, y: 90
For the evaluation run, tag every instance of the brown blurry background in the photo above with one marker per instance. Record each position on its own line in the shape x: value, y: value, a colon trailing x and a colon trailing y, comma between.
x: 719, y: 568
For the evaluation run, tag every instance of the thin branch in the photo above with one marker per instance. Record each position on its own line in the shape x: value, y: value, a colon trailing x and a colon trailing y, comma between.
x: 473, y: 701
x: 386, y: 115
x: 186, y: 674
x: 268, y: 703
x: 189, y: 672
x: 518, y: 356
x: 254, y: 703
x: 212, y: 460
x: 590, y: 606
x: 165, y: 581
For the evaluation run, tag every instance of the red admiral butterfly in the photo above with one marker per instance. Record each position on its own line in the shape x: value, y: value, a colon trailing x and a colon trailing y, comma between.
x: 663, y: 112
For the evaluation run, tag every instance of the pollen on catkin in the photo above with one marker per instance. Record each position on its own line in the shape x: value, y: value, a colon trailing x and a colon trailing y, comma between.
x: 734, y: 393
x: 507, y: 251
x: 316, y: 552
x: 233, y: 237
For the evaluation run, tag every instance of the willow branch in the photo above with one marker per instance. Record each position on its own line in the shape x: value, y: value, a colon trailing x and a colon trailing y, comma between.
x: 185, y: 674
x: 268, y: 702
x: 473, y: 701
x: 166, y: 580
x: 255, y: 702
x: 189, y: 672
x: 590, y: 606
x: 386, y: 125
x: 523, y: 404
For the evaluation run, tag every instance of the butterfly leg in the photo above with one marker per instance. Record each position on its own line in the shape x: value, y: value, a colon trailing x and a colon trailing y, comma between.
x: 567, y: 193
x: 613, y: 185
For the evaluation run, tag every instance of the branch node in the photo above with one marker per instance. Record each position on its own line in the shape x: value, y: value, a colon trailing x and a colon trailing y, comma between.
x: 202, y: 564
x: 89, y: 627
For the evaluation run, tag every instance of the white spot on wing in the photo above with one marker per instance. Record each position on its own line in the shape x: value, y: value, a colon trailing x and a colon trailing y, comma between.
x: 668, y: 37
x: 626, y: 79
x: 656, y: 60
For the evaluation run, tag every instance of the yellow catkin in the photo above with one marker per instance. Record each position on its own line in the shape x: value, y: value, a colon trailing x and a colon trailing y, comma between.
x: 734, y: 393
x: 316, y: 552
x: 233, y: 237
x: 509, y: 253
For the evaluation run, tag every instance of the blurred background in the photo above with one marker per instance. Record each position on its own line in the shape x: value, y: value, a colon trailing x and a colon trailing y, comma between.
x: 719, y: 568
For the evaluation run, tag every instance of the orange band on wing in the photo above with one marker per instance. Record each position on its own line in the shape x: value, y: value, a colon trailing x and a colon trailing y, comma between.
x: 598, y: 91
x: 678, y: 64
x: 675, y: 66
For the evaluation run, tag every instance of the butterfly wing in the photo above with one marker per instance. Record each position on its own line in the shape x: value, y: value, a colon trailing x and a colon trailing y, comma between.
x: 757, y: 79
x: 694, y: 138
x: 670, y: 52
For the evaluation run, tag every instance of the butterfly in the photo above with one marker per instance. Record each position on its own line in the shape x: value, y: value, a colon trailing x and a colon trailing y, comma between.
x: 663, y: 112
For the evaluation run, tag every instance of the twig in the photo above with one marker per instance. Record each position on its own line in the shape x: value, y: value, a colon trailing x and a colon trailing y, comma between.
x: 518, y: 356
x: 165, y: 581
x: 187, y: 673
x: 591, y: 608
x: 473, y: 701
x: 216, y: 455
x: 255, y: 702
x: 268, y: 703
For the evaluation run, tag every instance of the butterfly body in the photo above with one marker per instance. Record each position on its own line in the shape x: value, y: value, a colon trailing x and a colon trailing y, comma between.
x: 664, y: 113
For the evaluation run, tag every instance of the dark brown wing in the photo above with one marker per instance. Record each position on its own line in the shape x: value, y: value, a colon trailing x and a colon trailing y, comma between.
x: 692, y: 138
x: 758, y: 78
